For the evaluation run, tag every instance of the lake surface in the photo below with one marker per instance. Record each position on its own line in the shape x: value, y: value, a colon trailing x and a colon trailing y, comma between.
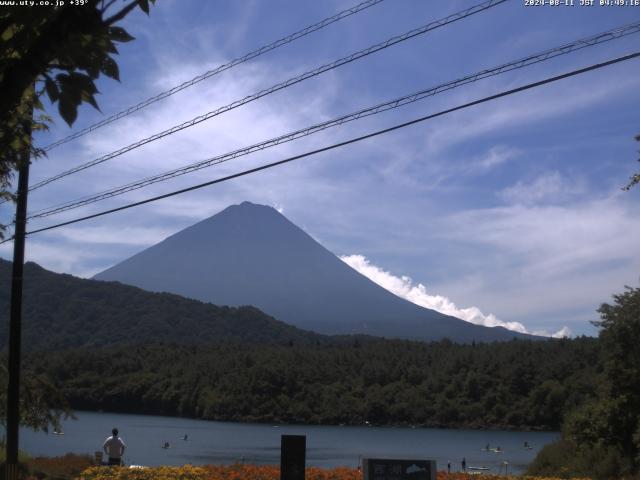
x: 327, y: 446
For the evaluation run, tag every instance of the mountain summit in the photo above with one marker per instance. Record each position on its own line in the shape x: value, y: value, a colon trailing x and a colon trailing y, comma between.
x: 251, y: 254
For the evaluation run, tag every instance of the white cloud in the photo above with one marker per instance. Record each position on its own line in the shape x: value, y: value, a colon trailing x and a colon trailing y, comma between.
x: 496, y: 156
x: 55, y: 257
x: 549, y: 186
x: 553, y: 240
x: 562, y: 333
x: 541, y: 263
x: 417, y: 293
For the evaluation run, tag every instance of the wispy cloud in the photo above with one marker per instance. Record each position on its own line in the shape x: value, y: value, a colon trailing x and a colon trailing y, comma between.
x: 542, y: 262
x: 495, y: 157
x: 547, y: 187
x: 404, y: 287
x: 56, y: 257
x: 554, y: 239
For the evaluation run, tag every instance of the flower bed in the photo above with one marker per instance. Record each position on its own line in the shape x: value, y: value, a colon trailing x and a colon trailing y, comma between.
x: 251, y: 472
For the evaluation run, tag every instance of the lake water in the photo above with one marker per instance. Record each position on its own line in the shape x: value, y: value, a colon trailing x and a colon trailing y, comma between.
x: 327, y: 446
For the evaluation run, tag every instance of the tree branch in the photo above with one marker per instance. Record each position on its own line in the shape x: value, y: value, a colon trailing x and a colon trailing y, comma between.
x: 106, y: 7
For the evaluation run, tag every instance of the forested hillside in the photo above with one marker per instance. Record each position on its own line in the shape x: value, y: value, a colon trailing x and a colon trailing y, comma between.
x: 62, y: 311
x: 519, y: 384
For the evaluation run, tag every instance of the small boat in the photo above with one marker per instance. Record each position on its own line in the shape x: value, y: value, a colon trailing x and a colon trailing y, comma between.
x: 479, y: 468
x: 55, y: 432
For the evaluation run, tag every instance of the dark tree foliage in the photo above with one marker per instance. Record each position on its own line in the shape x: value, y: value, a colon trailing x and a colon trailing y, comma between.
x: 62, y: 311
x: 380, y: 382
x: 42, y: 403
x: 620, y: 407
x: 601, y: 439
x: 58, y: 52
x: 635, y: 178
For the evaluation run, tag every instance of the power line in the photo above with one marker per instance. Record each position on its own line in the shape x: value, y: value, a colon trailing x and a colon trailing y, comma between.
x: 346, y: 142
x: 287, y: 83
x: 388, y: 105
x: 237, y: 61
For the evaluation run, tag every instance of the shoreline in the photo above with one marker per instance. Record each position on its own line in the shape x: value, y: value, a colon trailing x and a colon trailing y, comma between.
x: 434, y: 425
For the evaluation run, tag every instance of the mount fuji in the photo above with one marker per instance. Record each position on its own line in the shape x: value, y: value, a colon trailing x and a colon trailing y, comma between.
x: 251, y: 254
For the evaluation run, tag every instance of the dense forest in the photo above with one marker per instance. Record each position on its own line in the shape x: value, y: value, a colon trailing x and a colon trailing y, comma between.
x: 520, y: 384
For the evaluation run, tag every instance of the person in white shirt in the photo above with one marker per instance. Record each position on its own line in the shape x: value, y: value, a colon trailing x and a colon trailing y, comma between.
x: 114, y: 448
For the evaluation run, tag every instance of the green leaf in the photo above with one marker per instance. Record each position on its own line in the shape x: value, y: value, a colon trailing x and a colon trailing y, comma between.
x: 52, y: 89
x: 8, y: 33
x: 110, y: 47
x: 82, y: 82
x: 119, y: 34
x: 68, y: 109
x: 91, y: 101
x: 62, y: 78
x: 37, y: 104
x: 93, y: 66
x: 110, y: 68
x: 144, y: 6
x: 67, y: 90
x: 15, y: 144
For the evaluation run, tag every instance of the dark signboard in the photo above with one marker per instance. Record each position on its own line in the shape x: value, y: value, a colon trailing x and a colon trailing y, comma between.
x: 292, y: 457
x: 398, y: 469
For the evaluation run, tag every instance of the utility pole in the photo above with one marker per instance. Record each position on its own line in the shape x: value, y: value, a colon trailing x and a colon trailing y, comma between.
x: 15, y: 320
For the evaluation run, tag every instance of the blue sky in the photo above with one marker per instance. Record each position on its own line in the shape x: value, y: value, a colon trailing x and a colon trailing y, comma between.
x: 513, y: 207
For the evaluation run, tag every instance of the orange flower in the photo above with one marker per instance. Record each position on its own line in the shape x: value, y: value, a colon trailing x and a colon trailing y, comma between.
x: 253, y: 472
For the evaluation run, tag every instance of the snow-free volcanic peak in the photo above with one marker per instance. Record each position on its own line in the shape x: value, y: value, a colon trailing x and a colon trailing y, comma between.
x: 251, y: 254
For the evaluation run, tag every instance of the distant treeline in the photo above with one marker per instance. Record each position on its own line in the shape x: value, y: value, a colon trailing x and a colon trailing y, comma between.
x: 520, y: 384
